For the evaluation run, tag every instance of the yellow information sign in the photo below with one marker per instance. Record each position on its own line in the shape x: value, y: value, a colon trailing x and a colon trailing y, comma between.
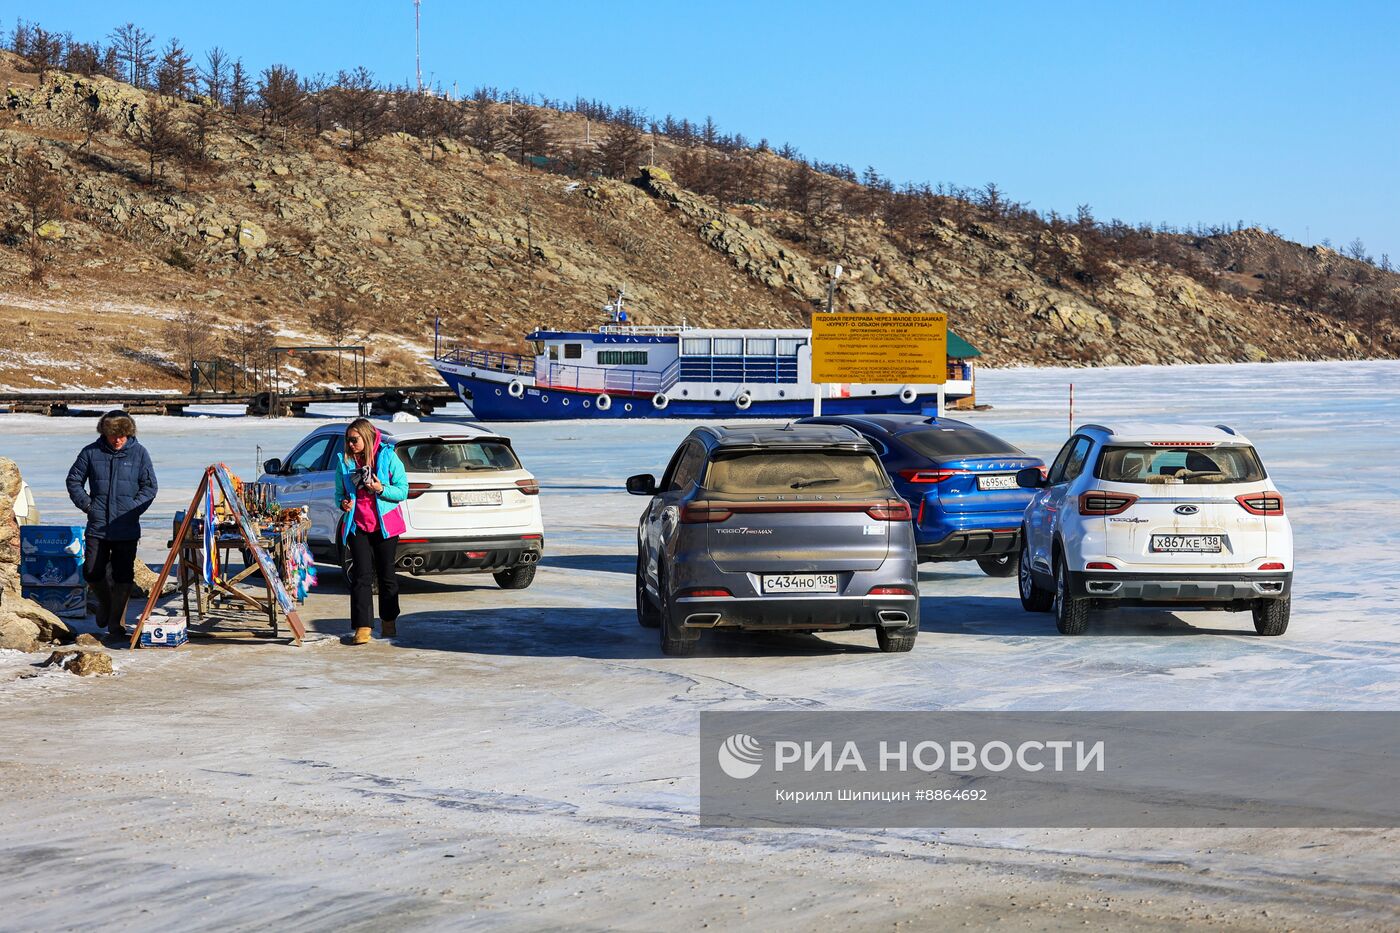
x: 880, y: 348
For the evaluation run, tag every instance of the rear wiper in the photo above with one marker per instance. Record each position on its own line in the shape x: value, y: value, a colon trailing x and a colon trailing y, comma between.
x: 804, y: 483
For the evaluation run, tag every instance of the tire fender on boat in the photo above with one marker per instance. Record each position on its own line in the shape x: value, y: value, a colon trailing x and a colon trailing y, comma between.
x: 660, y: 401
x: 516, y: 388
x: 907, y: 395
x: 603, y: 401
x: 743, y: 401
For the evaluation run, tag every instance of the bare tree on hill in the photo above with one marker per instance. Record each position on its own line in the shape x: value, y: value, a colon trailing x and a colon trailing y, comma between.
x: 41, y: 195
x: 358, y: 106
x: 252, y: 342
x: 175, y: 75
x: 238, y: 90
x: 215, y: 75
x: 484, y: 129
x: 528, y: 133
x: 157, y: 134
x: 281, y: 97
x: 190, y: 335
x: 620, y: 150
x: 134, y: 52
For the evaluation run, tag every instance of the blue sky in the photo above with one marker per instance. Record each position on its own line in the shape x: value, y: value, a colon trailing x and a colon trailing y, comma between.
x: 1283, y: 114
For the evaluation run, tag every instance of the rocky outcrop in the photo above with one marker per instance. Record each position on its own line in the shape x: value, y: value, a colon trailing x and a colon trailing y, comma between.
x: 24, y: 624
x: 86, y: 663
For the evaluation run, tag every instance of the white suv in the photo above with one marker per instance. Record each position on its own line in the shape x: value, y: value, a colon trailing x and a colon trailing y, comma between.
x: 471, y: 506
x: 1155, y: 515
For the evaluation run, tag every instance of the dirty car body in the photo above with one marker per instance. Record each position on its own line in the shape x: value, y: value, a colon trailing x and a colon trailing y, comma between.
x: 792, y: 527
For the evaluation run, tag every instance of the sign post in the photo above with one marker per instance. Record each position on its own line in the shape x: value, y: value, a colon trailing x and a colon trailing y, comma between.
x: 880, y: 348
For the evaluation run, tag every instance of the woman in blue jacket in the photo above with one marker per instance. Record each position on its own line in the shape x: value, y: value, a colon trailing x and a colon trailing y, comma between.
x: 112, y: 482
x: 371, y: 485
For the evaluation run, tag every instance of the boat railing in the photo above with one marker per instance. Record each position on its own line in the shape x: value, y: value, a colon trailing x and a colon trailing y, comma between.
x: 616, y: 381
x: 490, y: 359
x: 646, y: 330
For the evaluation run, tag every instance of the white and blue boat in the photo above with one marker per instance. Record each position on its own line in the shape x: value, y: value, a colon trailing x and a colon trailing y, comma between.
x: 628, y: 371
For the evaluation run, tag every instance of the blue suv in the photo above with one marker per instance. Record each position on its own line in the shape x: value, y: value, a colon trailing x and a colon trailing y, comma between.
x: 959, y: 481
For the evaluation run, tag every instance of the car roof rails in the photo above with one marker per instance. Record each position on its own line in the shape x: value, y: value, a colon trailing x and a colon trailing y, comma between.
x: 1226, y: 428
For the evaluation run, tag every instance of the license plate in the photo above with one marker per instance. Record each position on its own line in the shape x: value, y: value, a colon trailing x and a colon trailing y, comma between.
x: 1189, y: 544
x: 799, y: 583
x: 474, y: 497
x: 999, y: 481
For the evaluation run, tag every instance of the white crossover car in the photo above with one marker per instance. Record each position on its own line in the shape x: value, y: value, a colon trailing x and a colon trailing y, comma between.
x: 1155, y: 515
x: 471, y: 506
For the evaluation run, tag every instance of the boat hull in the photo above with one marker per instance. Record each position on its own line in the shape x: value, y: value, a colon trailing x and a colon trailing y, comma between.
x: 492, y: 401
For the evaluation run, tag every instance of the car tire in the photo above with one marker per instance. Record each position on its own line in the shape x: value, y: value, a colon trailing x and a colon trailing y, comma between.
x: 647, y: 614
x: 675, y: 641
x: 516, y: 578
x: 1271, y: 615
x: 1034, y: 598
x: 1071, y: 613
x: 1003, y: 565
x: 894, y: 640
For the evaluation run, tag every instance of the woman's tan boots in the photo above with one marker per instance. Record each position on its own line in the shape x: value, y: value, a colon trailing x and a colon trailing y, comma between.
x: 361, y: 636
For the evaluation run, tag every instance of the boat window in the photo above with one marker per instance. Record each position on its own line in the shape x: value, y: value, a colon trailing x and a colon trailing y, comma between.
x: 538, y: 345
x: 729, y: 346
x: 554, y: 351
x: 788, y: 346
x: 761, y: 346
x: 695, y: 346
x: 622, y: 357
x: 573, y: 351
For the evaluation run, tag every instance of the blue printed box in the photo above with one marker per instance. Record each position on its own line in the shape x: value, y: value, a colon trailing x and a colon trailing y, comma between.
x: 38, y: 570
x: 70, y: 602
x: 51, y: 540
x: 168, y: 633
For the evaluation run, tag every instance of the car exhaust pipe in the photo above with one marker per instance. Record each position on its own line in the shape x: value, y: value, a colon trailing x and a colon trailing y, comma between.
x: 1270, y: 587
x: 1102, y: 587
x: 702, y: 620
x: 893, y: 617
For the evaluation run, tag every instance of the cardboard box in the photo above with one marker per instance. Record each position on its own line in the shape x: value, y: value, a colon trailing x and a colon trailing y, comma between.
x: 51, y: 540
x: 68, y: 602
x: 164, y: 633
x: 42, y: 570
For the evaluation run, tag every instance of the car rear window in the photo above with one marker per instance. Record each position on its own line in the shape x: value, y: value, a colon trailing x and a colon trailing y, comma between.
x: 439, y: 456
x: 1188, y: 465
x: 795, y: 471
x: 936, y: 442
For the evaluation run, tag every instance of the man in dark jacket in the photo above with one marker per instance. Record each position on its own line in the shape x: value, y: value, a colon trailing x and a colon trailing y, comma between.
x: 120, y: 484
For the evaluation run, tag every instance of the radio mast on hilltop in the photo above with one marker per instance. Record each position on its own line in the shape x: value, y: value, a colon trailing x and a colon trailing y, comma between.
x: 417, y: 42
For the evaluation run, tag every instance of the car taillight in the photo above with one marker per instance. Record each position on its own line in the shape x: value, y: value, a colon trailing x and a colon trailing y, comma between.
x: 413, y: 540
x: 1099, y: 565
x: 476, y: 555
x: 893, y: 511
x: 417, y: 489
x: 531, y: 487
x: 693, y: 514
x: 1272, y: 565
x: 1105, y: 503
x: 706, y: 591
x: 930, y: 476
x: 1261, y: 503
x: 890, y: 591
x: 1044, y: 471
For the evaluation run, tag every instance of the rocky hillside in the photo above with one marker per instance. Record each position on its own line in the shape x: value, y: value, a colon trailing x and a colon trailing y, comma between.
x: 282, y: 227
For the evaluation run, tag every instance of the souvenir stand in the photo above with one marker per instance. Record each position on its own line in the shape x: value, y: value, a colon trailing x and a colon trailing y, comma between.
x: 226, y: 517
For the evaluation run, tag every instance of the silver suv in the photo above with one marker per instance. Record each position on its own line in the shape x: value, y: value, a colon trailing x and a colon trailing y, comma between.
x: 793, y: 528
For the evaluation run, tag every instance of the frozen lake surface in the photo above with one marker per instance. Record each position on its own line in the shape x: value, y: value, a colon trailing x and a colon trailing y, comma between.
x: 528, y: 759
